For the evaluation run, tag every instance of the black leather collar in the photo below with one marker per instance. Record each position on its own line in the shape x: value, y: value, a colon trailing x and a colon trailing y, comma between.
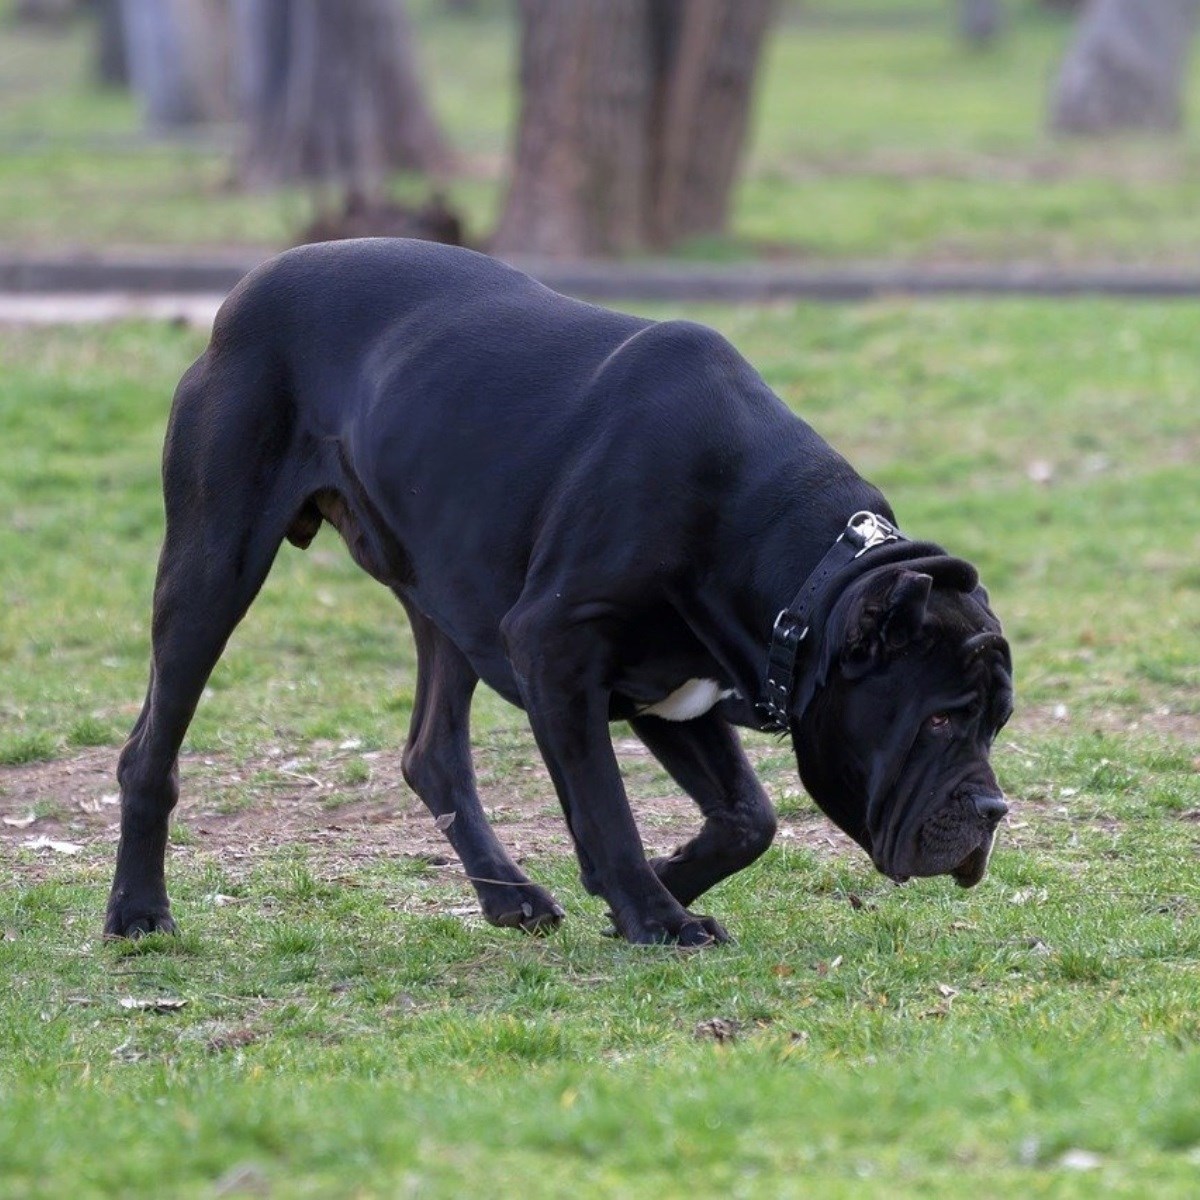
x: 864, y: 531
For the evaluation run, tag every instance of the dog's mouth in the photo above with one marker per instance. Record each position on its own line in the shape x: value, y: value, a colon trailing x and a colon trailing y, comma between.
x: 972, y: 868
x: 965, y: 862
x: 967, y: 874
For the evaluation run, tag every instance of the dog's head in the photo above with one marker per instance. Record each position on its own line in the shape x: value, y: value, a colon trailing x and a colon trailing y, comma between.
x: 914, y: 682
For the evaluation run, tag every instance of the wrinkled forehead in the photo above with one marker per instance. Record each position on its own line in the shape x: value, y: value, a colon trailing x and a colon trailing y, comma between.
x: 965, y: 649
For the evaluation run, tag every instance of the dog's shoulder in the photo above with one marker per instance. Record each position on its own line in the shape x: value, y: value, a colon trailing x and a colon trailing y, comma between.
x: 364, y: 268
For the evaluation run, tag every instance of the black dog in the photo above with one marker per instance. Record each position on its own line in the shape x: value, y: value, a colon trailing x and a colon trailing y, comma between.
x: 603, y: 518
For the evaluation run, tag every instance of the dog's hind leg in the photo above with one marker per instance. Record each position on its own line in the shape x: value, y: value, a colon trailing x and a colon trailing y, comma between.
x: 706, y: 759
x: 437, y: 766
x: 227, y: 514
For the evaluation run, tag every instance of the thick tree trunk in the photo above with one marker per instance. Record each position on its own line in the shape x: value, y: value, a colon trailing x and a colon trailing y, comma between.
x: 45, y: 12
x: 980, y: 22
x: 332, y: 94
x: 633, y: 118
x: 178, y: 54
x: 1125, y: 68
x: 708, y: 59
x: 580, y: 167
x: 261, y: 34
x: 112, y: 66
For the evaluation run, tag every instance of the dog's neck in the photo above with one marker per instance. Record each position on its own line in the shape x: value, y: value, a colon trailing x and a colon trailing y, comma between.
x: 786, y: 546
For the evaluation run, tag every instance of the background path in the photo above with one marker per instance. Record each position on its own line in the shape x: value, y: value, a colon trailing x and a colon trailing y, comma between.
x: 45, y: 289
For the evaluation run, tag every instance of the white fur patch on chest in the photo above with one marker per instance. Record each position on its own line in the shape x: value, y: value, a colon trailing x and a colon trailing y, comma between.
x: 690, y: 700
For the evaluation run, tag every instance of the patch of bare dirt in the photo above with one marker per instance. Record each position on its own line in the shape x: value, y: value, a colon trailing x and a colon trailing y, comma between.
x: 1163, y: 721
x: 240, y: 811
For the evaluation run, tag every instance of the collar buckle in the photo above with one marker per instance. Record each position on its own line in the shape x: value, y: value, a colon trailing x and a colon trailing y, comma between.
x: 866, y: 530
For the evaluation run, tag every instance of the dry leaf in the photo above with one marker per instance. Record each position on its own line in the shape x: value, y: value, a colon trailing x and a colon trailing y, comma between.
x: 100, y: 803
x: 161, y: 1004
x: 21, y: 822
x: 45, y: 843
x: 230, y: 1039
x: 720, y: 1029
x: 445, y: 821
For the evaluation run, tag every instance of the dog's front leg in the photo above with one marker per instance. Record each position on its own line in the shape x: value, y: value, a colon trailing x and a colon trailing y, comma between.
x: 560, y: 671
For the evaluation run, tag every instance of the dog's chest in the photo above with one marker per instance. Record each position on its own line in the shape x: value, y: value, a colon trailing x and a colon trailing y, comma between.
x: 691, y: 699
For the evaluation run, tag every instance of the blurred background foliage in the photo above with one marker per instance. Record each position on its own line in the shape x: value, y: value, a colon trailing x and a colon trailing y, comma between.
x: 879, y: 131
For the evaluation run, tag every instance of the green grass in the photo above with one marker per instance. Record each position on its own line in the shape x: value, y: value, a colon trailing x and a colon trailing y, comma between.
x: 347, y: 1031
x: 905, y: 1048
x: 870, y: 142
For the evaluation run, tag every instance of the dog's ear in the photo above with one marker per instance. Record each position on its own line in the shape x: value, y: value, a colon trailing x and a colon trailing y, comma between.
x: 886, y: 617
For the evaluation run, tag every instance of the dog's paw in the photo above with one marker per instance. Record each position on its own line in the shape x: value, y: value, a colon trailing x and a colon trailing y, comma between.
x: 688, y: 931
x: 703, y: 931
x: 127, y: 920
x: 522, y: 906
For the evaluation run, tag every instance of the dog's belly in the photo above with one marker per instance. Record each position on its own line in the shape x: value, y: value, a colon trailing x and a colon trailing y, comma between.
x: 692, y: 699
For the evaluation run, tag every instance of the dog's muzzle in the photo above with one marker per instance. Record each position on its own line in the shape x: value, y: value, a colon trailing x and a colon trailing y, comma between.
x: 956, y: 840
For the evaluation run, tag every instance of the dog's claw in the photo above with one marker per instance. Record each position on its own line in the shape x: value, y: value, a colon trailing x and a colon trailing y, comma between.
x: 116, y: 929
x: 693, y: 933
x: 703, y: 931
x: 538, y: 913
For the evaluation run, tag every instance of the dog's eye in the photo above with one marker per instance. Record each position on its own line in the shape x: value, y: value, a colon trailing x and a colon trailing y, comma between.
x: 938, y: 723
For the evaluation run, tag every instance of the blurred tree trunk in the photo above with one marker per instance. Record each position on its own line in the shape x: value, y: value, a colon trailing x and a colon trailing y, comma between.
x: 45, y: 12
x: 112, y: 65
x: 633, y: 119
x: 980, y: 22
x: 178, y: 53
x: 332, y: 94
x: 1125, y: 68
x: 580, y: 183
x: 706, y: 60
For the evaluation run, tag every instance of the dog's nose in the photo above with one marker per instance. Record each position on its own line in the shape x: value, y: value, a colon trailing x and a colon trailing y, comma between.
x: 991, y: 808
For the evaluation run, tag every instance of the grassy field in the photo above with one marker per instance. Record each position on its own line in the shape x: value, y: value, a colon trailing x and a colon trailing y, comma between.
x: 872, y: 140
x: 342, y: 1023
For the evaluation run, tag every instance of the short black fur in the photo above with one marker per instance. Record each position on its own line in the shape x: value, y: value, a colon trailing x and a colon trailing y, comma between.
x: 586, y: 510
